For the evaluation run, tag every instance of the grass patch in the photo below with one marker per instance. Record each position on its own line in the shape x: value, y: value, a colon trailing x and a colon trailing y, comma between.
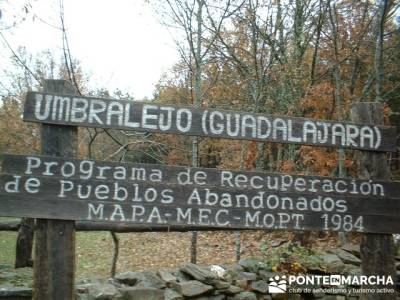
x: 7, y: 247
x: 153, y: 251
x: 94, y: 252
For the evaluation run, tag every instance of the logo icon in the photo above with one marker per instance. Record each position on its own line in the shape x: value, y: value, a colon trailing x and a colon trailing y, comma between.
x: 335, y: 279
x: 277, y: 284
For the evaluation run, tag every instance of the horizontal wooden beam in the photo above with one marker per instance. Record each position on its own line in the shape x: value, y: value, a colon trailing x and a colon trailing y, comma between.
x: 157, y: 195
x: 119, y: 227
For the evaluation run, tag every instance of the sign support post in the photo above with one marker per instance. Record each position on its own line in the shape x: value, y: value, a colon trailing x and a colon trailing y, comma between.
x: 50, y: 186
x: 54, y: 262
x: 377, y: 250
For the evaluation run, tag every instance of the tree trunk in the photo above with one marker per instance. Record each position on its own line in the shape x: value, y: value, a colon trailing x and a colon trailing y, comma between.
x: 378, y: 59
x: 197, y: 103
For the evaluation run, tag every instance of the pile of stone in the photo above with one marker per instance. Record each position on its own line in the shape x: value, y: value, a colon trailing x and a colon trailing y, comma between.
x: 238, y: 281
x: 246, y: 280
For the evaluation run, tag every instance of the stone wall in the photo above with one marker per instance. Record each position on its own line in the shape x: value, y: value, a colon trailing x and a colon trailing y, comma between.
x: 246, y: 280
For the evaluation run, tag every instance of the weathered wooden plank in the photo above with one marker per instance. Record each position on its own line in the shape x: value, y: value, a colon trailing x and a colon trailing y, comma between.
x: 119, y: 201
x: 9, y: 225
x: 118, y: 227
x: 121, y: 227
x: 118, y: 191
x: 54, y: 262
x: 150, y: 117
x: 66, y: 168
x: 377, y: 250
x: 190, y: 215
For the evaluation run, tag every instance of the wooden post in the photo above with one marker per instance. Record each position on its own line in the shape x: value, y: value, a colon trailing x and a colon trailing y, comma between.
x: 377, y: 250
x: 23, y: 251
x: 54, y: 263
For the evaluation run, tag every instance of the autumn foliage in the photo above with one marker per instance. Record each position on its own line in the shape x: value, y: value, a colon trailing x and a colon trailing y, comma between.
x: 309, y: 59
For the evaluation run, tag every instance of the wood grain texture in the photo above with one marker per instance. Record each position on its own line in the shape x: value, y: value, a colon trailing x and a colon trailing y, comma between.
x: 377, y: 250
x: 54, y: 262
x: 35, y: 165
x: 118, y: 227
x: 151, y: 117
x: 160, y: 204
x: 228, y: 218
x: 126, y: 192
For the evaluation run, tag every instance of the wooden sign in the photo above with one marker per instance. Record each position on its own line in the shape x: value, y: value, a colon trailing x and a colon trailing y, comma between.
x: 36, y: 165
x: 152, y: 117
x: 45, y: 187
